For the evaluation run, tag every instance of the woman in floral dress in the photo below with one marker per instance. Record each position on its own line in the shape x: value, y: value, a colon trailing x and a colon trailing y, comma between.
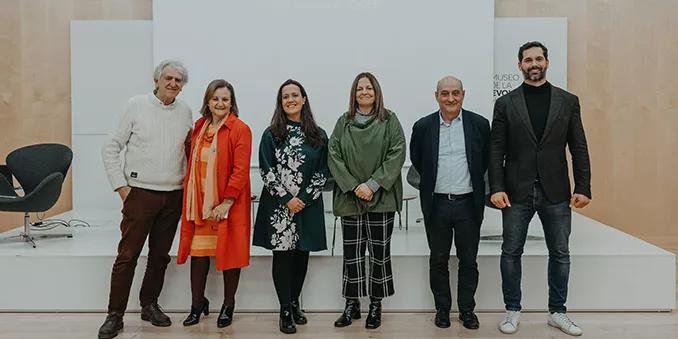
x: 290, y: 220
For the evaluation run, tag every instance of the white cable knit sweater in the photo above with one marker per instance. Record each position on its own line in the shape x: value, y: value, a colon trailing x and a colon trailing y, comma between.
x: 154, y: 134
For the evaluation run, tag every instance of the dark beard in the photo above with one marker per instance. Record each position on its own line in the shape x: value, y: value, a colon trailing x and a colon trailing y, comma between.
x: 535, y: 77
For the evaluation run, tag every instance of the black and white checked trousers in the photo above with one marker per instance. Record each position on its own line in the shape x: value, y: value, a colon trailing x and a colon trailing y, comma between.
x: 372, y: 231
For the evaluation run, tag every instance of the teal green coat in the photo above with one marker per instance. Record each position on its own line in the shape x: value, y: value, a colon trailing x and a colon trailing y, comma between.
x: 357, y: 152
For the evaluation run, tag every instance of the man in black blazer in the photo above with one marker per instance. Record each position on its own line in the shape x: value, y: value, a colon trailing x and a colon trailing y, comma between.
x: 450, y: 150
x: 531, y: 128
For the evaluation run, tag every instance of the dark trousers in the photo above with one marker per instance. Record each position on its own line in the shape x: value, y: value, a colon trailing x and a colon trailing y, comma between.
x: 447, y: 218
x: 556, y: 218
x: 289, y: 272
x: 145, y: 214
x: 370, y: 231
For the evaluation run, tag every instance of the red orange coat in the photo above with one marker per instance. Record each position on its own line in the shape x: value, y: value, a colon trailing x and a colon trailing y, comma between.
x: 234, y: 150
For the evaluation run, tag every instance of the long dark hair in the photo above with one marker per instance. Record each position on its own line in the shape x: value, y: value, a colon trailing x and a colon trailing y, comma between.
x: 378, y: 107
x: 209, y: 93
x: 278, y: 127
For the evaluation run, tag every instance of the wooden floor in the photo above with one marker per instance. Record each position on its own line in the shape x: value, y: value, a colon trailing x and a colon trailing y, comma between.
x: 395, y: 325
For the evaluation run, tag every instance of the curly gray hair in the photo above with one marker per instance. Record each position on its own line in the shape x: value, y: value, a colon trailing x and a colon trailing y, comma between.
x: 175, y: 65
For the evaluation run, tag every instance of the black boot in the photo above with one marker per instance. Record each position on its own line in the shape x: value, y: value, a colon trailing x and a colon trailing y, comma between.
x: 194, y: 317
x: 374, y: 316
x: 351, y: 311
x: 297, y: 314
x: 225, y: 316
x: 286, y: 321
x: 111, y: 326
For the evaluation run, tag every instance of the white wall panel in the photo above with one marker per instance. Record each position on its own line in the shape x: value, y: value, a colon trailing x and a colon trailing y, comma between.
x: 256, y: 45
x: 110, y: 62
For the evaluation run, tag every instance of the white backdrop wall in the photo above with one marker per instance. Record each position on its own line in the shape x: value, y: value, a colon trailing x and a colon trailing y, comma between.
x: 258, y: 44
x: 111, y: 61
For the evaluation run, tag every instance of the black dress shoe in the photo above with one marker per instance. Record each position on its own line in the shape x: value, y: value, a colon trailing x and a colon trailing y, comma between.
x: 194, y: 317
x: 286, y: 321
x: 225, y: 316
x: 155, y: 315
x: 297, y: 314
x: 351, y: 311
x: 442, y: 318
x: 470, y: 320
x: 374, y: 315
x: 111, y: 326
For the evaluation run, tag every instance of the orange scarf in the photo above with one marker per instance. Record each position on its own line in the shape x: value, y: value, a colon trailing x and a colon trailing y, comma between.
x: 195, y: 202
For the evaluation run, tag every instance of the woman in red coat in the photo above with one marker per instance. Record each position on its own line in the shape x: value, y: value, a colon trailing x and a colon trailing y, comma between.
x: 216, y: 211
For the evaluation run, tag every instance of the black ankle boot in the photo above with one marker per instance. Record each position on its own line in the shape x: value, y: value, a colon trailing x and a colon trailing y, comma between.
x: 194, y: 317
x: 286, y: 321
x: 225, y: 316
x: 374, y: 316
x: 351, y: 311
x: 297, y: 314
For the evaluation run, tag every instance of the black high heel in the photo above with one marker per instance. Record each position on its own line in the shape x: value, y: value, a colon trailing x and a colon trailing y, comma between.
x: 225, y: 316
x: 194, y: 317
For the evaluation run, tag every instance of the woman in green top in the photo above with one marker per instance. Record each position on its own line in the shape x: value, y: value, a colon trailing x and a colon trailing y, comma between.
x: 290, y: 219
x: 366, y: 156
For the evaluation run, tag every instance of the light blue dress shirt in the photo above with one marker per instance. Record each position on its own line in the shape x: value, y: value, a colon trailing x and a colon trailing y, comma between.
x: 453, y: 175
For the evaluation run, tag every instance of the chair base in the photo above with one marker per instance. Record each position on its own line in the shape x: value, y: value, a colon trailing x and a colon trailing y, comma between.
x: 28, y: 237
x: 21, y: 237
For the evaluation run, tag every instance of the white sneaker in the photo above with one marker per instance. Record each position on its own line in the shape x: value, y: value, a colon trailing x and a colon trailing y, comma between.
x: 563, y: 322
x: 510, y: 323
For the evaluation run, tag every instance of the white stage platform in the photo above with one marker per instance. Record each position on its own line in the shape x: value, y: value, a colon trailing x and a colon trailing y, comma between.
x: 611, y: 271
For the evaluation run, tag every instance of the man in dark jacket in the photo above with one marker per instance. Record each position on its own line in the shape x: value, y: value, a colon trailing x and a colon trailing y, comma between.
x: 531, y: 129
x: 450, y: 150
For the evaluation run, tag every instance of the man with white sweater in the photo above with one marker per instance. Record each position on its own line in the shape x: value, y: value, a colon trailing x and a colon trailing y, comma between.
x: 155, y: 128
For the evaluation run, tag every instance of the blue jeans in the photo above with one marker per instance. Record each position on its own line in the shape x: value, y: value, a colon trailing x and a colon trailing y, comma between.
x: 556, y: 219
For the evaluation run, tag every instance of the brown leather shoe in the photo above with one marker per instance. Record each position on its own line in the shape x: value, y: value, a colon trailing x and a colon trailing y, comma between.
x: 155, y: 315
x: 111, y: 326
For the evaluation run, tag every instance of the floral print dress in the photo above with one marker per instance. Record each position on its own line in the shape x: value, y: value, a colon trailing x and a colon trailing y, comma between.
x: 292, y: 169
